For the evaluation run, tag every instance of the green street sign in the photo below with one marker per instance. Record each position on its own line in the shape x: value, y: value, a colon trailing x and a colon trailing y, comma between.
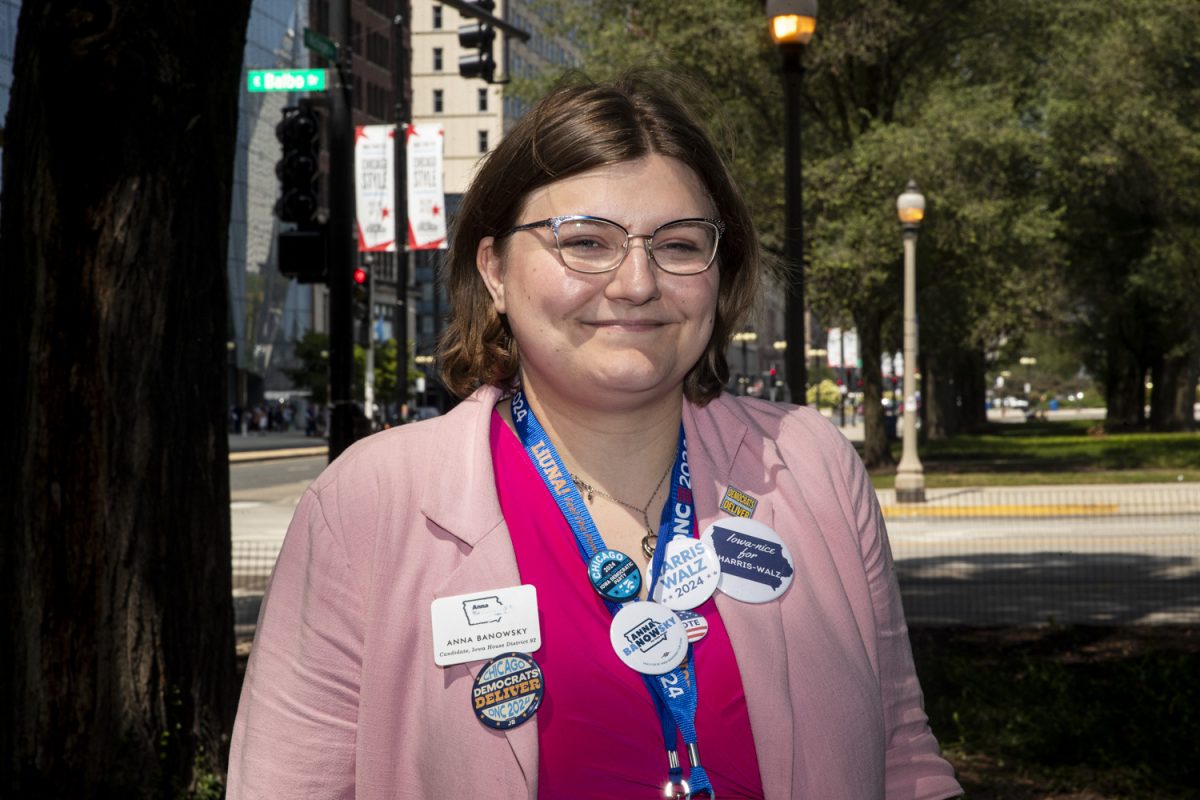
x: 286, y: 80
x: 320, y: 44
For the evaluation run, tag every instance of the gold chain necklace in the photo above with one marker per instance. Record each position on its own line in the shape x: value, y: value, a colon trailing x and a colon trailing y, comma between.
x: 651, y: 538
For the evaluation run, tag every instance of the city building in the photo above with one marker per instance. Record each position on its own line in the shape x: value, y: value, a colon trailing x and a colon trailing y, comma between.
x: 270, y: 313
x: 9, y: 10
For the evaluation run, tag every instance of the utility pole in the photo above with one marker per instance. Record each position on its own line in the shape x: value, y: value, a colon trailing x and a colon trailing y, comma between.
x: 342, y: 245
x: 401, y: 27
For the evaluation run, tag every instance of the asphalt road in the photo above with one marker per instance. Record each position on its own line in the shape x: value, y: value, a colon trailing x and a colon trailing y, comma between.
x: 1117, y: 568
x: 246, y: 478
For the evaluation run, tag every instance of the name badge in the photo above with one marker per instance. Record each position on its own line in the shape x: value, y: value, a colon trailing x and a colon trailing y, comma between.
x: 480, y: 625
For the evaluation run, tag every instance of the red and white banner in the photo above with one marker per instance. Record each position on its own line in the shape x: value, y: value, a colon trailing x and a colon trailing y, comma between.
x: 374, y: 187
x: 426, y: 198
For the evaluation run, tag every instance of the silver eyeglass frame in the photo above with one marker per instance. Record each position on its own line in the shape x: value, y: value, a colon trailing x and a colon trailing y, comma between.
x: 554, y: 223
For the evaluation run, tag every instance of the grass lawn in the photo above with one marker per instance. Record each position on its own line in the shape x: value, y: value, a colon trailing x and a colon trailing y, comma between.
x: 1059, y: 452
x: 1070, y: 713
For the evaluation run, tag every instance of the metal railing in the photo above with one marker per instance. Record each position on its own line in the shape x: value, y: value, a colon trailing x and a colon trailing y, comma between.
x: 1105, y: 555
x: 1108, y: 555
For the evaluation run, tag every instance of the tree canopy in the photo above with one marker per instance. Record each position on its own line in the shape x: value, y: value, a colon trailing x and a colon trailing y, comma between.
x: 1056, y: 145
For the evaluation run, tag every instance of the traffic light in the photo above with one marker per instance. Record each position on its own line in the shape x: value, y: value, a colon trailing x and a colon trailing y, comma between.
x: 301, y: 253
x: 299, y: 132
x: 479, y: 36
x: 363, y: 301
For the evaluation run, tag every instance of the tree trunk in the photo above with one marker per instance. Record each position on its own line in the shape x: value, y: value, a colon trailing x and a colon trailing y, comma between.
x: 876, y: 452
x: 1173, y: 395
x: 1124, y: 390
x: 118, y: 666
x: 939, y: 399
x: 972, y: 388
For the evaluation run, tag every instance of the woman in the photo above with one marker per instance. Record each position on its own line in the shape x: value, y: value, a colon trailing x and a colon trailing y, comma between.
x: 512, y: 599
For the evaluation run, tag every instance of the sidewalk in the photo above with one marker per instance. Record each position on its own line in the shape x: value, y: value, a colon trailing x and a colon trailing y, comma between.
x: 267, y: 446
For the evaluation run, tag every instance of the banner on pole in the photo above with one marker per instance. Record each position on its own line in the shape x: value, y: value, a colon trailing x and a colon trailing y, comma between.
x: 426, y: 198
x: 374, y: 187
x: 839, y: 339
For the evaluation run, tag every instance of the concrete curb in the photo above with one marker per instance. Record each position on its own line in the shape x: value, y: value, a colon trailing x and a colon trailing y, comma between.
x: 284, y: 452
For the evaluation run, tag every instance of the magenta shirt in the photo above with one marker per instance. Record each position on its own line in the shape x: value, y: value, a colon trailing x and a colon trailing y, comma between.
x: 598, y: 733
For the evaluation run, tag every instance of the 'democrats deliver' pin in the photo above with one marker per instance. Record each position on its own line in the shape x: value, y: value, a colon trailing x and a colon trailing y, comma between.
x: 508, y: 691
x: 756, y: 566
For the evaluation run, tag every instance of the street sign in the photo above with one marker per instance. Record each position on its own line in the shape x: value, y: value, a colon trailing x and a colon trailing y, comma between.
x: 286, y: 80
x: 320, y: 44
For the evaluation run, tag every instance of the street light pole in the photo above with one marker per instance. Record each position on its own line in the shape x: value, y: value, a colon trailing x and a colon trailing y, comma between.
x: 401, y: 67
x: 910, y: 475
x: 342, y: 245
x: 792, y: 26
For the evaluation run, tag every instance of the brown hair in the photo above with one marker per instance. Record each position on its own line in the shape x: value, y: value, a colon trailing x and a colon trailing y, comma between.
x: 577, y: 127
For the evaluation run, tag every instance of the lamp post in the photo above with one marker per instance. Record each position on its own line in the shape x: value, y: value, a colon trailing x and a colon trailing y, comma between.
x: 744, y: 338
x: 792, y: 26
x: 910, y: 475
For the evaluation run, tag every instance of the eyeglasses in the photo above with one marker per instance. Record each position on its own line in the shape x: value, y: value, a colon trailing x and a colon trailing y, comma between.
x: 594, y: 245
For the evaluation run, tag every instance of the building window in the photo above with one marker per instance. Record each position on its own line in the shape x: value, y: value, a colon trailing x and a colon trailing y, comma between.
x: 377, y: 48
x: 437, y: 101
x: 377, y: 101
x: 483, y: 99
x: 437, y: 17
x: 437, y: 59
x: 358, y: 93
x: 483, y: 141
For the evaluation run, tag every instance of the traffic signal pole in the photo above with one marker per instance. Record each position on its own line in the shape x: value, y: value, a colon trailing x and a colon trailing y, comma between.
x: 341, y: 243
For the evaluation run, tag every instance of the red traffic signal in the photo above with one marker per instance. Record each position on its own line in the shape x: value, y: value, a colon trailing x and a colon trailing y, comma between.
x: 360, y: 275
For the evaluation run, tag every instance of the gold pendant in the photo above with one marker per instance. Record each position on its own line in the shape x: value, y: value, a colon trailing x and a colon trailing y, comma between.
x: 649, y: 541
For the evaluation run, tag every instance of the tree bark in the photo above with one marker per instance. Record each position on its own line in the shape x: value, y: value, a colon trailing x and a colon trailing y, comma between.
x: 876, y: 452
x: 939, y: 399
x: 972, y: 387
x: 1124, y: 390
x: 118, y: 667
x: 1173, y: 396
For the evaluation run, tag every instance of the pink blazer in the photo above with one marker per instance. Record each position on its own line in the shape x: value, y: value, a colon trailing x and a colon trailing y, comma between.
x: 342, y: 698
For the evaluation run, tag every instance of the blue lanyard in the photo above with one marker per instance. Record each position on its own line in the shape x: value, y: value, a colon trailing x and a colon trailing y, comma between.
x: 674, y: 694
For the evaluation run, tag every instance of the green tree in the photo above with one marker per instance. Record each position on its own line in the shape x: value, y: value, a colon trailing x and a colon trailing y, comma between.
x: 312, y: 371
x: 928, y: 91
x: 892, y: 91
x: 1123, y: 116
x: 118, y: 671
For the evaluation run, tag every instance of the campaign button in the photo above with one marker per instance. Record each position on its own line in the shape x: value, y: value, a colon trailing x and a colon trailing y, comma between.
x: 756, y: 566
x: 695, y: 626
x: 648, y: 637
x: 689, y: 574
x: 614, y: 576
x: 507, y: 691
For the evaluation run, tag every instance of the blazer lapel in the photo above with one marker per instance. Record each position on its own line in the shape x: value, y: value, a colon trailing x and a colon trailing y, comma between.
x: 471, y: 513
x: 756, y: 631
